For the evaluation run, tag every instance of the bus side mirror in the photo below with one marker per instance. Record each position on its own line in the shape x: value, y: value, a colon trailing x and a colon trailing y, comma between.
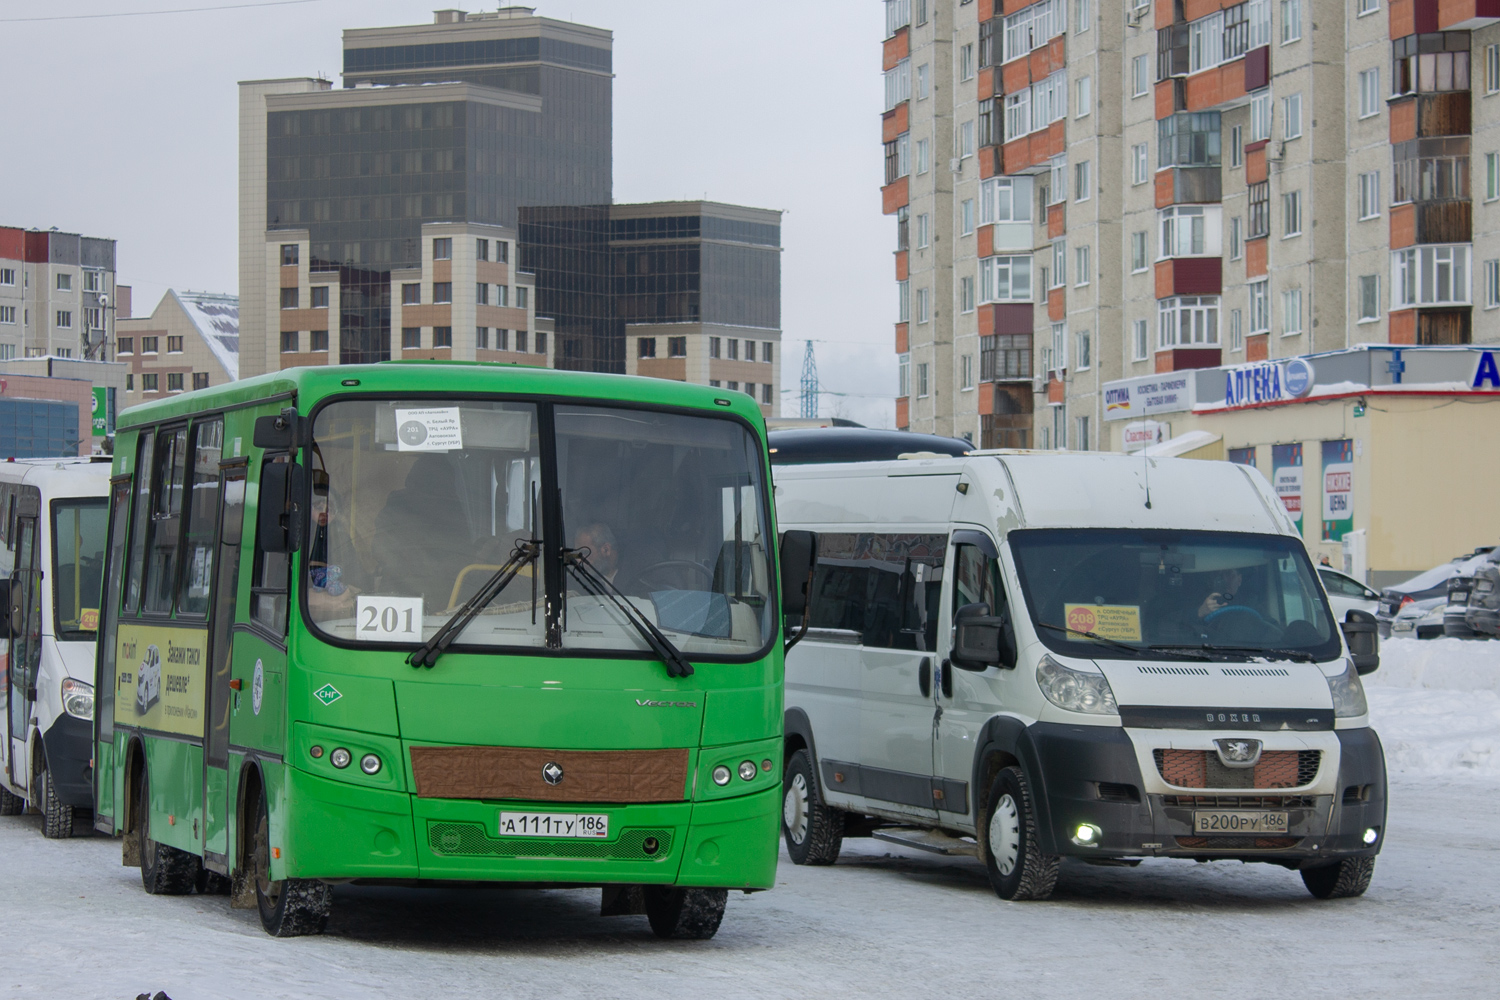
x: 280, y: 432
x: 5, y: 603
x: 981, y: 640
x: 799, y: 556
x: 281, y: 515
x: 1363, y: 639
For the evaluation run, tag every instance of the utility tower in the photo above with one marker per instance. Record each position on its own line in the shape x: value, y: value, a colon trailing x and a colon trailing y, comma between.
x: 809, y: 384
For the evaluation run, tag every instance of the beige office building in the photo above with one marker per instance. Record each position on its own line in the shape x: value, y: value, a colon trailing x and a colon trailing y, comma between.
x: 190, y: 341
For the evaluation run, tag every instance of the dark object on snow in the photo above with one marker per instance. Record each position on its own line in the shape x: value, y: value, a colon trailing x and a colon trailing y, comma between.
x: 159, y: 995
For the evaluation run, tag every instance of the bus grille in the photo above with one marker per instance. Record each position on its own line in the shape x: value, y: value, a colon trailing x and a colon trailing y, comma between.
x: 1203, y: 769
x: 1237, y: 843
x: 453, y: 839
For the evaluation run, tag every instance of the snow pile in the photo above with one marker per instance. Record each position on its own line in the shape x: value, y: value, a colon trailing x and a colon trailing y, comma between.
x: 1436, y: 705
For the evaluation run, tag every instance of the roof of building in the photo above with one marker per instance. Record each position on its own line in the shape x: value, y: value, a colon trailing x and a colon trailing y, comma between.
x: 217, y: 317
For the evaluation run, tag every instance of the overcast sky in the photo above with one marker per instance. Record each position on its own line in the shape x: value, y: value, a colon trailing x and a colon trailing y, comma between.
x: 125, y: 127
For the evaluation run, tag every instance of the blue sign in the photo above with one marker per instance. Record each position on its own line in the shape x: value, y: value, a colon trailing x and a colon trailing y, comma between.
x: 1487, y: 373
x: 1297, y: 377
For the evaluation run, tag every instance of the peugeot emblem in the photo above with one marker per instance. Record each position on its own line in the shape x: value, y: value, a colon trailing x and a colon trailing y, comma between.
x: 552, y: 774
x: 1238, y: 752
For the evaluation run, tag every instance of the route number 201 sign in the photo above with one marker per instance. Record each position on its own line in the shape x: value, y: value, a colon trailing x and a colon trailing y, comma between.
x: 388, y: 619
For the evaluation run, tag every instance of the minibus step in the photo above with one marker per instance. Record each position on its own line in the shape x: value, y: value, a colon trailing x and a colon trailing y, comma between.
x: 927, y: 840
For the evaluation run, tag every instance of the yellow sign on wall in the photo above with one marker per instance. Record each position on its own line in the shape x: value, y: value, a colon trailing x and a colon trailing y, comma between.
x: 160, y: 678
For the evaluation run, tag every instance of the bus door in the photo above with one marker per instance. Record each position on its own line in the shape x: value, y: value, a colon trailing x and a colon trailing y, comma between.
x: 25, y: 630
x: 221, y: 618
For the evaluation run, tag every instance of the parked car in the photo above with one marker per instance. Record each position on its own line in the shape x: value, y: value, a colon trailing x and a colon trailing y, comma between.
x: 1419, y: 619
x: 1474, y: 609
x: 1429, y: 586
x: 1346, y: 593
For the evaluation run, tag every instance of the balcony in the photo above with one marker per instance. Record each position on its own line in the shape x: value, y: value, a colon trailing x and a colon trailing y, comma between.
x: 1420, y: 116
x: 1432, y: 222
x: 1466, y: 15
x: 1189, y: 185
x: 1445, y: 327
x: 1185, y: 358
x: 1189, y: 276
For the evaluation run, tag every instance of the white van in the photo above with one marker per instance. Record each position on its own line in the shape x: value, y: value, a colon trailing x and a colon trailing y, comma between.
x: 1028, y: 656
x: 53, y: 522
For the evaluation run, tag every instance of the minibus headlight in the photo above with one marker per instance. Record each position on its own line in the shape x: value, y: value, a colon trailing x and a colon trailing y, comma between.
x: 1348, y: 693
x: 78, y: 698
x: 1075, y: 690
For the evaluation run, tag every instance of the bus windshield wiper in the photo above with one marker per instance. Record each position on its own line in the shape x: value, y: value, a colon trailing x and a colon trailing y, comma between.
x: 1186, y: 651
x: 596, y: 584
x: 524, y: 553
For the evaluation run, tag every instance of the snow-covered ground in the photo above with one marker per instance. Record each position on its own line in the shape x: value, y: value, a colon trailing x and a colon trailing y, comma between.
x: 882, y: 922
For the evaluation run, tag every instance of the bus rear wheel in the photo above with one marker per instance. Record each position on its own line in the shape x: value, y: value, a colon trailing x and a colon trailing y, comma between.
x: 685, y: 914
x: 165, y: 871
x: 290, y: 907
x: 57, y: 819
x: 11, y: 805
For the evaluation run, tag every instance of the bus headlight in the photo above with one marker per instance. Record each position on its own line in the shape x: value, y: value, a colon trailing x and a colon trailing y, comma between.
x: 78, y: 698
x: 1348, y: 693
x: 1075, y: 690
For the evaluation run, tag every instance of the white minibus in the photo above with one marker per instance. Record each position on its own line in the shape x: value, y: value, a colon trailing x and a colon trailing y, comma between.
x: 53, y: 520
x: 1026, y: 656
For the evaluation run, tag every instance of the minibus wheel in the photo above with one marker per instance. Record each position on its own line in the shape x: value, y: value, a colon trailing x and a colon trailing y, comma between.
x: 11, y: 805
x: 165, y: 871
x: 684, y: 914
x: 814, y: 832
x: 1340, y: 880
x: 57, y: 819
x: 290, y: 907
x: 1017, y: 868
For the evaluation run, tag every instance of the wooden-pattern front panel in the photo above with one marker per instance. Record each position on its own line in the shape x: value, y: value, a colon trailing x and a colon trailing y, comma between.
x: 516, y: 773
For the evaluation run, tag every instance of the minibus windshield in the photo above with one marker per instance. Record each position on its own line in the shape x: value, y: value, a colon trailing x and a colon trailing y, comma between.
x: 1148, y: 593
x: 416, y: 503
x: 78, y: 532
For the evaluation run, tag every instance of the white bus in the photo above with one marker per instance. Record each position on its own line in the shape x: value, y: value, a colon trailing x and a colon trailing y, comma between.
x: 53, y: 521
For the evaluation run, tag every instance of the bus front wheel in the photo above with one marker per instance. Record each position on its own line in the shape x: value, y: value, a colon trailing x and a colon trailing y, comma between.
x: 685, y: 914
x: 57, y: 819
x: 290, y: 907
x: 165, y: 871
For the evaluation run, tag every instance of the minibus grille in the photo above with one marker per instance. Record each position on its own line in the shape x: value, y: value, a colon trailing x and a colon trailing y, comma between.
x: 1203, y: 769
x: 1241, y: 801
x: 1237, y: 843
x: 450, y: 839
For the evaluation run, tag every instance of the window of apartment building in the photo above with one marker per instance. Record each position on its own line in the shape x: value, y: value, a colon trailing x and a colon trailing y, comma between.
x: 966, y: 294
x: 898, y: 158
x: 732, y: 385
x: 174, y: 345
x: 966, y: 216
x: 1260, y: 116
x: 1291, y: 116
x: 481, y: 249
x: 174, y: 381
x: 1059, y: 264
x: 1291, y: 312
x: 1430, y: 170
x: 898, y: 84
x: 63, y: 352
x: 966, y: 372
x: 1083, y: 16
x: 1291, y: 21
x: 765, y: 393
x: 922, y: 378
x: 411, y: 295
x: 676, y: 347
x: 1187, y: 321
x: 1492, y: 284
x: 923, y: 87
x: 200, y: 379
x: 93, y: 280
x: 733, y: 347
x: 646, y: 347
x: 1004, y: 356
x: 1260, y: 209
x: 897, y: 16
x: 290, y: 340
x: 1260, y: 306
x: 1081, y: 266
x: 1081, y: 434
x: 1369, y: 297
x: 1369, y: 92
x: 1138, y: 251
x: 502, y: 251
x: 1492, y: 69
x: 482, y: 338
x: 1491, y: 176
x: 290, y: 298
x: 1139, y: 169
x: 1237, y: 146
x: 714, y: 346
x: 442, y: 249
x: 1005, y: 279
x: 1430, y: 275
x: 442, y: 336
x: 923, y: 156
x: 93, y: 318
x: 923, y: 311
x: 149, y: 382
x: 1005, y: 199
x: 1082, y: 184
x: 1188, y: 139
x: 991, y: 122
x: 1140, y: 339
x: 1184, y: 232
x: 903, y: 375
x: 8, y: 351
x: 966, y: 140
x: 1291, y: 214
x: 320, y: 296
x: 1083, y: 356
x: 411, y: 337
x: 318, y: 341
x: 64, y: 319
x: 1085, y: 96
x: 289, y: 254
x: 903, y: 302
x: 442, y: 291
x: 966, y: 61
x: 148, y: 345
x: 1236, y: 240
x: 1058, y: 353
x: 1057, y: 175
x: 1432, y: 63
x: 1140, y: 76
x: 521, y: 341
x: 1032, y: 27
x: 749, y: 389
x: 482, y: 293
x: 1363, y: 7
x: 1236, y: 331
x: 8, y: 316
x: 7, y: 276
x: 1369, y: 195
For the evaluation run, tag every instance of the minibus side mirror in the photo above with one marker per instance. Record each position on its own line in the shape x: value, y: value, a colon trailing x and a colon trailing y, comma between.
x: 981, y: 640
x: 5, y: 603
x: 1363, y: 639
x: 282, y: 513
x: 799, y: 556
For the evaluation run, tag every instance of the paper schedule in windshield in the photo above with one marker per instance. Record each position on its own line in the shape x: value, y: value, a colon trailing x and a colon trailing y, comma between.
x: 430, y: 429
x: 1121, y: 622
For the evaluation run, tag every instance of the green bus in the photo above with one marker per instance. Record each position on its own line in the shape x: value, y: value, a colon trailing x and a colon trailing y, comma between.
x: 433, y: 623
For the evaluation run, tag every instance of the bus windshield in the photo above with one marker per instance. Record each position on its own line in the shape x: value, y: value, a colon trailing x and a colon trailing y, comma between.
x: 78, y: 533
x: 417, y: 503
x: 1200, y: 592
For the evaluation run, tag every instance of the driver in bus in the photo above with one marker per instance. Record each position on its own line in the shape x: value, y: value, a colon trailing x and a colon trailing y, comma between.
x: 604, y: 552
x: 1226, y: 583
x: 328, y: 596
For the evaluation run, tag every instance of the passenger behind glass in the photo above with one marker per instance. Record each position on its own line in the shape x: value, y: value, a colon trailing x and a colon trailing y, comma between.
x: 329, y: 594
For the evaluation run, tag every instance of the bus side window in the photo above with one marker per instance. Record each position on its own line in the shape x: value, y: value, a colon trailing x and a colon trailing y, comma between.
x: 140, y: 521
x: 105, y: 691
x: 977, y: 580
x: 885, y: 587
x: 268, y: 586
x: 201, y: 513
x: 168, y: 485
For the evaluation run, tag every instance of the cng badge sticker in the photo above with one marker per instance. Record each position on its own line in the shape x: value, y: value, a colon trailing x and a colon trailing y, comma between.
x: 257, y: 687
x: 328, y: 694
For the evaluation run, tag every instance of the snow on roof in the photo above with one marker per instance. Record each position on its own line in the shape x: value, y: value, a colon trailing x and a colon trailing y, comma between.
x: 217, y: 318
x: 1181, y: 444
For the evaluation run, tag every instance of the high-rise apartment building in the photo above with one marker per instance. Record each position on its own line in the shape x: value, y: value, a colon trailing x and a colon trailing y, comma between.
x: 56, y: 295
x: 1088, y: 192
